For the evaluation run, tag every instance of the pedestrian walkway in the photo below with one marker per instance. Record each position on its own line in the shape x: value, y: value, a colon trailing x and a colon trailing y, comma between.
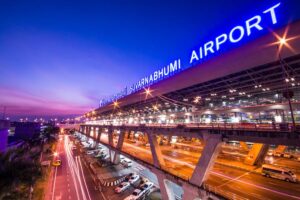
x: 109, y: 183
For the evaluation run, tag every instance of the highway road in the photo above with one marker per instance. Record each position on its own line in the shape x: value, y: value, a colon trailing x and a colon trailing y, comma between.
x: 71, y: 180
x: 231, y: 182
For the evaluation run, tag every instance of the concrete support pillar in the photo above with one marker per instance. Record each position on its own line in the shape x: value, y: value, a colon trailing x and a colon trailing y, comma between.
x: 145, y: 138
x: 257, y: 154
x: 92, y: 132
x: 190, y: 192
x: 88, y: 131
x: 169, y: 139
x: 244, y: 145
x: 116, y: 158
x: 165, y: 187
x: 157, y: 156
x: 210, y: 151
x: 110, y: 142
x: 280, y: 149
x: 128, y: 135
x: 99, y: 134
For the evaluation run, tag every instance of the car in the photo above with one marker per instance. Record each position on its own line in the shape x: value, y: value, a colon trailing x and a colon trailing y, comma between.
x: 137, y: 193
x: 146, y: 186
x: 85, y: 144
x: 56, y: 163
x: 131, y: 141
x: 270, y: 153
x: 104, y: 157
x: 90, y: 152
x: 278, y: 172
x: 128, y: 176
x: 126, y: 162
x: 287, y: 155
x: 74, y: 147
x: 134, y: 178
x: 144, y: 180
x: 100, y: 153
x: 122, y: 187
x: 122, y: 158
x: 99, y: 148
x: 277, y: 154
x: 103, y: 163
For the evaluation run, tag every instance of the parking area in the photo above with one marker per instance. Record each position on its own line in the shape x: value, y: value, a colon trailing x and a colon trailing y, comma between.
x: 126, y: 180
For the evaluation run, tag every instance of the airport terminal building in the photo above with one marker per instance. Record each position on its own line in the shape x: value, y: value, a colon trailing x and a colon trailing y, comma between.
x: 255, y: 81
x: 240, y: 86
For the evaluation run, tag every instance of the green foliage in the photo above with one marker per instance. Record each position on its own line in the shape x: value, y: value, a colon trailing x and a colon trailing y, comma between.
x: 17, y: 169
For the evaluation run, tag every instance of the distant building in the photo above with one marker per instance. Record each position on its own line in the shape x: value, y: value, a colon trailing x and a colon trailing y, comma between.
x: 24, y: 130
x: 4, y: 127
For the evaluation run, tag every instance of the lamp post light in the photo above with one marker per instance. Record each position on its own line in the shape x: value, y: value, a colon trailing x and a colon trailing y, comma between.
x: 287, y: 93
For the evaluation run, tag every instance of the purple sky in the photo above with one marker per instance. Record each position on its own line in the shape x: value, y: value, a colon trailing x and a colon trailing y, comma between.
x: 61, y: 58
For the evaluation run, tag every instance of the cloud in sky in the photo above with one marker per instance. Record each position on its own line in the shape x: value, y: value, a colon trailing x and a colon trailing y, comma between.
x: 18, y: 102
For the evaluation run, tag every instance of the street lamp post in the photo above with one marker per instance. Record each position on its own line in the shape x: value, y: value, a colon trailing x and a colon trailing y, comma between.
x: 288, y: 93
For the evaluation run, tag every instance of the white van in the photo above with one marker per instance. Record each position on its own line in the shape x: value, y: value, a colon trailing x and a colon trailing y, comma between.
x: 279, y: 173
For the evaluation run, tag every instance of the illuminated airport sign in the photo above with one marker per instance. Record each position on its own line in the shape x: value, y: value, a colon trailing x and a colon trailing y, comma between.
x: 164, y: 72
x: 250, y: 28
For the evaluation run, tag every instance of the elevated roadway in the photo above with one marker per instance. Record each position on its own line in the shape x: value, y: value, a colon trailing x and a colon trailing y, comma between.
x: 221, y: 176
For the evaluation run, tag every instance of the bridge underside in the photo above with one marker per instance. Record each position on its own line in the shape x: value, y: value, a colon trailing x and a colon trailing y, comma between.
x: 192, y: 184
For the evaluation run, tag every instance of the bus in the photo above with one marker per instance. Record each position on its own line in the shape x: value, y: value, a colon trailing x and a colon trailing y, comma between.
x: 279, y: 173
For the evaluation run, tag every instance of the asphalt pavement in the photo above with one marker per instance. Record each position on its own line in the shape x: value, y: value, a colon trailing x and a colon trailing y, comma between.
x: 71, y: 180
x: 231, y: 182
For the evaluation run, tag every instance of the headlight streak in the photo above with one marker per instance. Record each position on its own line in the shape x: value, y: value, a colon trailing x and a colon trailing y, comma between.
x: 80, y: 164
x: 254, y: 185
x: 55, y: 174
x: 212, y: 172
x: 76, y: 172
x: 70, y: 163
x: 54, y: 182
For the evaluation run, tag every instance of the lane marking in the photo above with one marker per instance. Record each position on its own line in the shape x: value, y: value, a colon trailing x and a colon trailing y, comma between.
x: 236, y: 178
x: 54, y: 183
x: 70, y: 163
x: 213, y: 172
x: 84, y: 178
x: 257, y: 186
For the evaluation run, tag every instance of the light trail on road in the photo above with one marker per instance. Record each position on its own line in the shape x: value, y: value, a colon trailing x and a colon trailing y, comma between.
x: 54, y: 183
x: 254, y: 185
x: 237, y: 179
x: 216, y: 173
x: 81, y: 171
x: 76, y: 172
